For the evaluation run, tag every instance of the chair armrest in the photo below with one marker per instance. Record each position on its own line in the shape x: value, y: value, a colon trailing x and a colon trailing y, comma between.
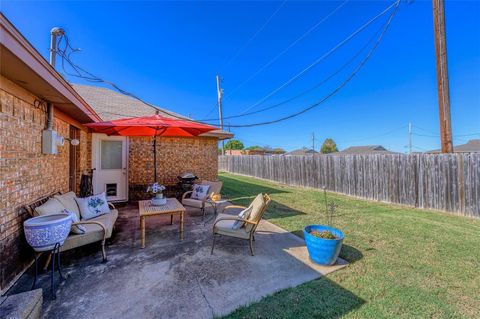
x: 234, y: 218
x: 93, y: 222
x: 111, y: 205
x: 185, y: 194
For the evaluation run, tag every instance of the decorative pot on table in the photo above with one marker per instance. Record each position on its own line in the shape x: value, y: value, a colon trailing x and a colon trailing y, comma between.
x: 43, y: 232
x: 323, y: 251
x: 159, y: 200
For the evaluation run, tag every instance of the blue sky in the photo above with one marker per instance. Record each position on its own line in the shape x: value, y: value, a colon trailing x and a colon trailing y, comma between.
x: 169, y: 53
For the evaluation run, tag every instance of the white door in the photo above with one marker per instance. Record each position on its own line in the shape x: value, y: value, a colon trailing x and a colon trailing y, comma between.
x: 109, y: 161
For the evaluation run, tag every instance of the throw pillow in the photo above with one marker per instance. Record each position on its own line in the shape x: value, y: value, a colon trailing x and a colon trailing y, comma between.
x: 244, y: 215
x: 76, y: 229
x: 200, y: 191
x: 93, y: 206
x: 51, y: 206
x: 68, y: 201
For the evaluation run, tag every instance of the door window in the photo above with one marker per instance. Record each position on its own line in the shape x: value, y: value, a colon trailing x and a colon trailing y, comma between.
x: 111, y: 154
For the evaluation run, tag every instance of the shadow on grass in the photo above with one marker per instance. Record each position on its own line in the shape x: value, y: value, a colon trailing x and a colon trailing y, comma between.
x: 321, y: 298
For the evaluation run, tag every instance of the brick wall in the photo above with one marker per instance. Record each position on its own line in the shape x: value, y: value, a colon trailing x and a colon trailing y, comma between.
x: 174, y: 156
x: 25, y: 173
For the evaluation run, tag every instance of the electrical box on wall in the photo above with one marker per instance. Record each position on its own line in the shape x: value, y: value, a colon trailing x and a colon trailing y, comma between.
x: 50, y: 141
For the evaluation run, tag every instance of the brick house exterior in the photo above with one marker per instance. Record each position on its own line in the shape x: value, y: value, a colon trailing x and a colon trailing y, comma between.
x: 27, y: 84
x: 198, y: 155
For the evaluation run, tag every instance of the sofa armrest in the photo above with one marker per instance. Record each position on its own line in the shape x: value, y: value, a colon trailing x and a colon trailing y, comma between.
x: 189, y: 193
x: 111, y: 205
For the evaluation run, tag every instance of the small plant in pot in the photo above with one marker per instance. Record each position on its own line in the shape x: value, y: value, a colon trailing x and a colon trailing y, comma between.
x: 324, y: 242
x: 156, y: 191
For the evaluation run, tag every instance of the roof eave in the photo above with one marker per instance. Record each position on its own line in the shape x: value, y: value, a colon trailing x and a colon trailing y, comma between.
x: 18, y: 45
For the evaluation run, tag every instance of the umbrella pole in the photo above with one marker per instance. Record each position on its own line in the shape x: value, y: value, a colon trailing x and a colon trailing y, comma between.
x: 155, y: 158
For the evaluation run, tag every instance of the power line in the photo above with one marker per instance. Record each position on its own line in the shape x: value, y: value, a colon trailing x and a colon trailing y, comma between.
x: 93, y: 78
x: 303, y: 36
x: 323, y: 57
x: 316, y: 86
x: 243, y: 47
x: 357, y: 69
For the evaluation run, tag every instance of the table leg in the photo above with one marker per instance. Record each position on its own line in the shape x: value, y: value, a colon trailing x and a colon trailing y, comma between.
x: 181, y: 225
x: 142, y: 231
x: 171, y: 219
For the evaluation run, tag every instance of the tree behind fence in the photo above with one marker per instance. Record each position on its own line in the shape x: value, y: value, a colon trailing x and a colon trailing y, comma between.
x: 448, y: 182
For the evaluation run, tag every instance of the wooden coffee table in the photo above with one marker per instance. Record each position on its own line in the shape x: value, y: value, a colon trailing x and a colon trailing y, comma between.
x: 172, y: 207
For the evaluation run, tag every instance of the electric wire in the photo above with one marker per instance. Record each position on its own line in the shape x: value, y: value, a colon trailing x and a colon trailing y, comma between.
x: 349, y: 78
x: 323, y: 57
x: 306, y: 91
x: 243, y: 47
x: 275, y: 58
x: 93, y: 78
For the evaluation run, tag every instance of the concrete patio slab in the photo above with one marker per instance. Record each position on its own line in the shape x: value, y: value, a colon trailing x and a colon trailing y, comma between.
x: 172, y: 278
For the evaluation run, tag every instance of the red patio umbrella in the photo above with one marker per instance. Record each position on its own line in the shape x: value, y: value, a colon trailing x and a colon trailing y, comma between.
x: 153, y: 125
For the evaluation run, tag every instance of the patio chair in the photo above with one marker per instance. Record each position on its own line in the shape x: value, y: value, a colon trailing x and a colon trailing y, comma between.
x: 215, y: 187
x: 225, y: 223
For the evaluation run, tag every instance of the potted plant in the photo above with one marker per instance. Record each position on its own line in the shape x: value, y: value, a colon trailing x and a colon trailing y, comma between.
x: 324, y: 242
x: 156, y: 191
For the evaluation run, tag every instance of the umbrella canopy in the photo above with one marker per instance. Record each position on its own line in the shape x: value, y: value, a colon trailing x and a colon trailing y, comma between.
x: 153, y: 125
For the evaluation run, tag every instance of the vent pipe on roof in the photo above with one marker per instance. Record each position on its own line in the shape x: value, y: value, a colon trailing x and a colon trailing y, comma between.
x: 50, y: 138
x: 54, y: 33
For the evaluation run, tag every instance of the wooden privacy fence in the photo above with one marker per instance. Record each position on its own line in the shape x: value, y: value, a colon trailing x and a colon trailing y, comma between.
x: 447, y: 182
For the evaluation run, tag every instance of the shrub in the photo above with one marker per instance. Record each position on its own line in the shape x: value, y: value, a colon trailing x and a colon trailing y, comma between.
x: 325, y: 234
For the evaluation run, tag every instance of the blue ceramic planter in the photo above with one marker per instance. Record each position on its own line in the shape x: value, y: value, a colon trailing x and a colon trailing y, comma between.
x: 323, y: 251
x: 43, y: 232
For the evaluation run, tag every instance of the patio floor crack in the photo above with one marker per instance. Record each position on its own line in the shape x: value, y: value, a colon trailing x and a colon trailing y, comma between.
x: 205, y: 297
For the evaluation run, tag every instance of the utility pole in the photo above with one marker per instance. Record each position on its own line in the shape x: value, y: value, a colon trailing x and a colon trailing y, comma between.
x: 410, y: 138
x: 313, y: 141
x: 220, y: 115
x: 442, y: 75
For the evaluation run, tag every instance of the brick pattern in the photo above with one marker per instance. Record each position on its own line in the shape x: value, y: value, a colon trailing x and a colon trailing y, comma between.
x: 174, y: 156
x: 25, y: 173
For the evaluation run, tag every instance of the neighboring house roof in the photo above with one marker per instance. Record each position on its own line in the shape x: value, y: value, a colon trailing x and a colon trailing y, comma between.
x: 302, y: 151
x: 472, y: 146
x: 111, y: 105
x: 366, y: 149
x: 22, y: 64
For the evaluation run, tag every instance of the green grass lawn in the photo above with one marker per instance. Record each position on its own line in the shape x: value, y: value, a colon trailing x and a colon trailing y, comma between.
x: 404, y: 262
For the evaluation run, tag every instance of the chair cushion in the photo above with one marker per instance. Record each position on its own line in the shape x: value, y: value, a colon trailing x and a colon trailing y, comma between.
x: 93, y: 232
x: 192, y: 202
x: 200, y: 191
x: 68, y: 201
x: 93, y: 206
x: 225, y: 227
x: 51, y: 206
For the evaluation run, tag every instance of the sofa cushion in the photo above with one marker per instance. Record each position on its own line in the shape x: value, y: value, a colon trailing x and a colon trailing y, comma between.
x: 93, y: 233
x: 192, y: 202
x: 93, y: 206
x: 68, y: 201
x: 51, y: 206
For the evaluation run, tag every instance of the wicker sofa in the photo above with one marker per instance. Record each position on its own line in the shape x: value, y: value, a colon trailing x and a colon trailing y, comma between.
x: 98, y: 229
